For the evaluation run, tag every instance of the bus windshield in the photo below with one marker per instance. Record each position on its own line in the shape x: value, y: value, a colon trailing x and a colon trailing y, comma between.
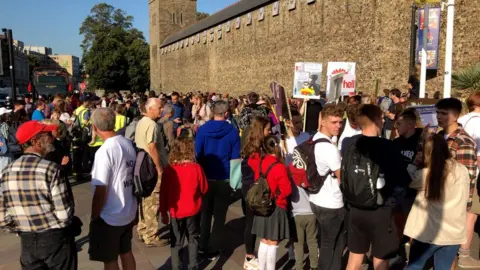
x: 51, y: 79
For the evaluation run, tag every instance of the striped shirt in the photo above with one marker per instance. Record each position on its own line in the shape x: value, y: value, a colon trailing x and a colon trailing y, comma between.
x: 35, y: 195
x: 463, y: 148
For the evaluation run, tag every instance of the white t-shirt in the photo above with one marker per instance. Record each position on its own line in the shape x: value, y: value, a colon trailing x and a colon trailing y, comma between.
x: 64, y: 117
x: 327, y: 158
x: 471, y: 124
x: 347, y: 133
x: 113, y: 168
x: 292, y: 142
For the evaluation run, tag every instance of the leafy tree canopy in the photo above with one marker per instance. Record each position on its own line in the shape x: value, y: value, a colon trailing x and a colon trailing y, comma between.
x: 33, y: 62
x: 202, y: 15
x: 115, y: 54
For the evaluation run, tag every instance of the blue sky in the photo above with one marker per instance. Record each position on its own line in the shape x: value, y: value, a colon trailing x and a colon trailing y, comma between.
x: 55, y: 23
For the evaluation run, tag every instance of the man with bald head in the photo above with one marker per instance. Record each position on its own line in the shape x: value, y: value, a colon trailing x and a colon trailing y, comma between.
x: 148, y: 137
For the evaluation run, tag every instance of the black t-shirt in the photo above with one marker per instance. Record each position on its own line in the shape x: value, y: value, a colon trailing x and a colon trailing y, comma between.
x: 414, y: 92
x: 389, y: 122
x: 384, y: 153
x: 19, y: 116
x: 313, y: 110
x: 408, y: 146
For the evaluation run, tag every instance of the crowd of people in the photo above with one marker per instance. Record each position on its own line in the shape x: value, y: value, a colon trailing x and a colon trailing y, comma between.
x: 377, y: 180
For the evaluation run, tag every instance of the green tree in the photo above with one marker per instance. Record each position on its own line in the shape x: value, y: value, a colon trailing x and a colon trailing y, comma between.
x: 114, y: 53
x: 202, y: 15
x: 33, y: 62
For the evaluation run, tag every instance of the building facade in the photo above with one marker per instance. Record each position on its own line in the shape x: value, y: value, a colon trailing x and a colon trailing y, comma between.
x: 22, y: 72
x: 166, y: 18
x: 247, y: 45
x: 70, y: 62
x: 43, y: 53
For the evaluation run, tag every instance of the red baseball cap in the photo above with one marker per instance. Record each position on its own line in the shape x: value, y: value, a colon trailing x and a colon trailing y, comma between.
x: 30, y: 129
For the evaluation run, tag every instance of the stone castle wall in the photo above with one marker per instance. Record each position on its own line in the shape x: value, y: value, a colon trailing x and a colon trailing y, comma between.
x: 373, y: 33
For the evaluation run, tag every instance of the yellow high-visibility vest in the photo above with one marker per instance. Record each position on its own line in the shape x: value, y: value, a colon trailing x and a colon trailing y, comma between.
x: 98, y: 142
x: 120, y: 122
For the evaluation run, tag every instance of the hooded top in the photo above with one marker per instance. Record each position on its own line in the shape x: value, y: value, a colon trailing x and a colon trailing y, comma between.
x: 217, y: 143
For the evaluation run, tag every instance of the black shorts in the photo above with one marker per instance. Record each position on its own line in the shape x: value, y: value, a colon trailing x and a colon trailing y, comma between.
x: 375, y: 228
x: 107, y: 242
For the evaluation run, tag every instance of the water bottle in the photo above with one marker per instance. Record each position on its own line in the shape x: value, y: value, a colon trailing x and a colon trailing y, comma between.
x: 380, y: 185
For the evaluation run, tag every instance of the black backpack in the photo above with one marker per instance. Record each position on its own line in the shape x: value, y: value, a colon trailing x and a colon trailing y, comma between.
x: 145, y: 175
x: 259, y: 196
x: 304, y: 159
x: 80, y: 130
x: 359, y: 179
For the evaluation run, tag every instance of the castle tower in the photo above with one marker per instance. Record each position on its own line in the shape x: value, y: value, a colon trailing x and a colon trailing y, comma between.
x: 166, y: 18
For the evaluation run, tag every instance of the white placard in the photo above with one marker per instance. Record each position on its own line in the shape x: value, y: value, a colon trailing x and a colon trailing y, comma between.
x: 307, y: 80
x: 338, y: 67
x: 348, y: 84
x: 428, y: 115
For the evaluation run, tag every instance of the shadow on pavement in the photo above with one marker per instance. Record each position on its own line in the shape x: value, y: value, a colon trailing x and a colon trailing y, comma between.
x: 235, y: 229
x: 81, y: 242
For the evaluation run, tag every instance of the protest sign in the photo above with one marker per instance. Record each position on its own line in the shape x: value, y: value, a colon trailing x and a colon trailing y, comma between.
x: 349, y: 83
x: 307, y: 80
x: 427, y: 114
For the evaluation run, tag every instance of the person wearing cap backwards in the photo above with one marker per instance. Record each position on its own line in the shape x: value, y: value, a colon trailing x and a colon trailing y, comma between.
x: 37, y: 201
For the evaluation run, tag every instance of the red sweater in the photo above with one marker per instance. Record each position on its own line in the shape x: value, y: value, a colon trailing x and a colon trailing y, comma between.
x: 181, y: 190
x: 277, y: 178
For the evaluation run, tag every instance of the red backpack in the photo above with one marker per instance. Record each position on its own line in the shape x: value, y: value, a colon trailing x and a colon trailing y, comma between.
x: 304, y: 169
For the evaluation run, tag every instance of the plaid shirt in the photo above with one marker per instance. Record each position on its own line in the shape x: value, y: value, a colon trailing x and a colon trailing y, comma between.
x: 34, y: 195
x: 463, y: 149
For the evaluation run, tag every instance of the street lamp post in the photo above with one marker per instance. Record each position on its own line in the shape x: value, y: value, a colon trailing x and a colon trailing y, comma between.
x: 447, y: 79
x: 11, y: 52
x: 423, y: 73
x: 413, y: 39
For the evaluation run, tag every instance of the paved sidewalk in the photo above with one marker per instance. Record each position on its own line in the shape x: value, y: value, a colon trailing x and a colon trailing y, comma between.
x: 149, y: 258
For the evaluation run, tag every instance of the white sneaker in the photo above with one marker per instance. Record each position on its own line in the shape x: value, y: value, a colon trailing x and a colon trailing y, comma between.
x: 251, y: 265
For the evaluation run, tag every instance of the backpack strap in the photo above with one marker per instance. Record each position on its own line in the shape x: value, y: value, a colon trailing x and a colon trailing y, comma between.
x: 268, y: 169
x: 319, y: 140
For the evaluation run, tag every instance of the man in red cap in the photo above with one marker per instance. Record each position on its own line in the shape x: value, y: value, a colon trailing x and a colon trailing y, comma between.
x: 38, y: 201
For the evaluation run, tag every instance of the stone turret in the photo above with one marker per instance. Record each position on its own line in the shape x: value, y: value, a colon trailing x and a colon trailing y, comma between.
x: 166, y: 17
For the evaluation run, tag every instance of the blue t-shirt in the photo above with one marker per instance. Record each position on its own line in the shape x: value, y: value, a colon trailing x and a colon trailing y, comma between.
x: 38, y: 115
